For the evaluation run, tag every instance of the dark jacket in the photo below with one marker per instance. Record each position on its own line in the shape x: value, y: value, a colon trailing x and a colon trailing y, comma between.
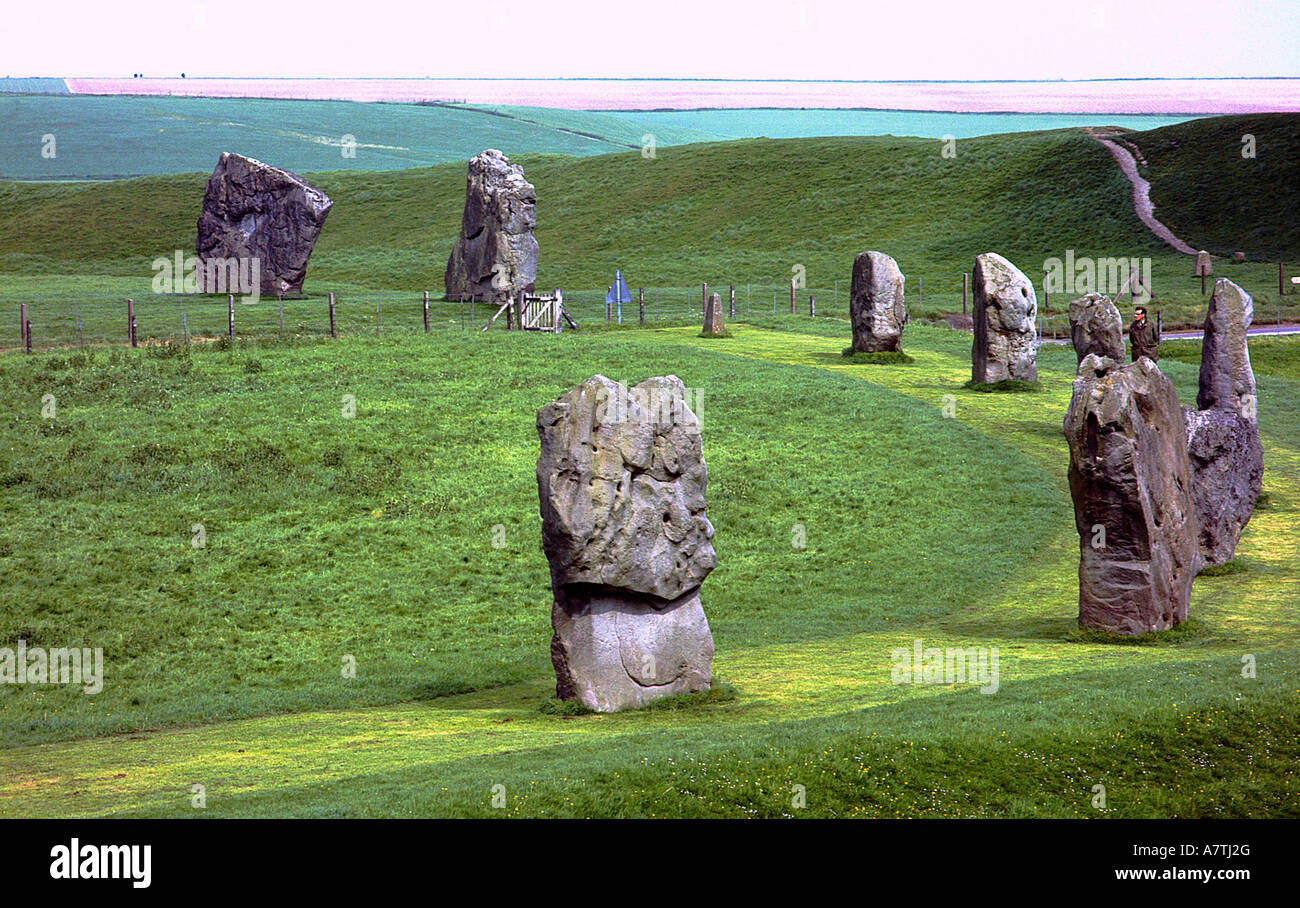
x: 1145, y: 340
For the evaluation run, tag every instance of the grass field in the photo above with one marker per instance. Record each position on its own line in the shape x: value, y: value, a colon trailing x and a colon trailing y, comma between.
x: 232, y: 522
x: 748, y: 213
x: 372, y: 536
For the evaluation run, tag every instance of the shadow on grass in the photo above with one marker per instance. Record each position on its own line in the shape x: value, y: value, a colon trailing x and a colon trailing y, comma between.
x: 720, y: 692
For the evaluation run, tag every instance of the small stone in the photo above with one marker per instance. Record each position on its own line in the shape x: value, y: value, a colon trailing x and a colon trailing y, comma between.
x: 714, y: 324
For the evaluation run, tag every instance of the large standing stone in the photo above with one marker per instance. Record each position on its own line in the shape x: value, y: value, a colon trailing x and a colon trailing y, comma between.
x: 1227, y: 463
x: 1227, y: 458
x: 1096, y: 327
x: 254, y: 211
x: 1227, y: 381
x: 876, y: 303
x: 714, y: 324
x: 1132, y: 492
x: 496, y: 255
x: 621, y: 482
x: 1006, y: 331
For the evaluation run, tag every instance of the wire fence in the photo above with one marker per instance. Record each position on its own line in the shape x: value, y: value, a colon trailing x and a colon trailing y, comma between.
x: 102, y: 317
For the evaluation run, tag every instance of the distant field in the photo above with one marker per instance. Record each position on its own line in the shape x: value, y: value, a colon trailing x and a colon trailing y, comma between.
x: 114, y: 137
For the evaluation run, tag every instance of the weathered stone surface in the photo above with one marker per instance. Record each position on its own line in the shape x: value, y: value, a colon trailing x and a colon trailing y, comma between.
x: 1203, y: 268
x: 876, y: 303
x: 621, y: 482
x: 496, y: 254
x: 1006, y: 331
x: 1096, y: 327
x: 714, y: 323
x: 255, y: 211
x: 1227, y: 381
x: 1132, y: 491
x: 1227, y: 464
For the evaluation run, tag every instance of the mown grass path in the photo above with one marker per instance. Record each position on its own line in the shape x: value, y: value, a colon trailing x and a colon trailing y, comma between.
x: 441, y: 756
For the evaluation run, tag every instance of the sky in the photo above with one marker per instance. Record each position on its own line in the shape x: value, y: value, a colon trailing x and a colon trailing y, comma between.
x: 702, y: 39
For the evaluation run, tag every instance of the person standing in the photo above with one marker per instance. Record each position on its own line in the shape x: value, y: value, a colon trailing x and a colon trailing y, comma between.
x: 1143, y: 337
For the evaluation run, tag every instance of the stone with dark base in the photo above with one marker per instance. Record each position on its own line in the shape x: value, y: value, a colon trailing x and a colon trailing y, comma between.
x: 255, y: 211
x: 621, y: 482
x: 714, y: 323
x: 876, y: 303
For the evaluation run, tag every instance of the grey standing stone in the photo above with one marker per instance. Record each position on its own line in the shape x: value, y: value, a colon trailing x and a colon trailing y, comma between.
x: 1227, y: 464
x: 621, y: 481
x: 876, y: 303
x: 255, y: 211
x: 495, y: 257
x: 1131, y: 484
x: 1006, y: 330
x: 1227, y: 381
x: 1096, y: 327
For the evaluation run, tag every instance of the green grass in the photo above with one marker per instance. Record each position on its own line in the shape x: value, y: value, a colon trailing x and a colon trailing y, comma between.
x: 372, y: 536
x: 743, y: 213
x: 883, y: 358
x: 1218, y: 199
x: 1006, y: 386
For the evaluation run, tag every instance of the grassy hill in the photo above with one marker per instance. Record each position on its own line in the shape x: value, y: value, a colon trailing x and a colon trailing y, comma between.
x: 1208, y: 192
x: 743, y: 212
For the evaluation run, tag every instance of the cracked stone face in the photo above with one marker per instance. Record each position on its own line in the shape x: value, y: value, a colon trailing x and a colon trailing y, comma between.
x: 1006, y: 333
x: 1096, y: 327
x: 495, y: 256
x: 621, y: 481
x: 252, y: 210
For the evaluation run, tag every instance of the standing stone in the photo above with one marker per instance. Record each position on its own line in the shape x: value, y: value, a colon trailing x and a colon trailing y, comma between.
x: 1096, y: 327
x: 1203, y: 266
x: 621, y: 481
x: 714, y: 325
x: 256, y: 212
x: 495, y: 257
x: 1227, y: 381
x: 876, y: 303
x: 1227, y: 464
x: 1006, y: 331
x: 1132, y: 491
x: 1227, y: 458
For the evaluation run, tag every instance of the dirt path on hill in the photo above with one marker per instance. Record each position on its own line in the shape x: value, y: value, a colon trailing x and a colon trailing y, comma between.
x: 1123, y: 153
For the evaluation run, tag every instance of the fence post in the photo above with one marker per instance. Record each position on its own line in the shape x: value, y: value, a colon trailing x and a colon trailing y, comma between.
x: 792, y: 296
x: 334, y: 330
x: 964, y: 279
x: 1159, y: 323
x: 640, y: 293
x: 733, y: 301
x: 426, y: 312
x: 379, y: 315
x: 27, y: 332
x: 22, y: 321
x: 812, y: 304
x: 1281, y: 287
x: 920, y: 292
x: 130, y: 322
x: 230, y: 302
x: 608, y: 313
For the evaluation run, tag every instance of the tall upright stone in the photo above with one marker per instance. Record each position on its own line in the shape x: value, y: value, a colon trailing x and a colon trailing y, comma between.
x: 1227, y: 458
x: 255, y: 212
x: 1132, y: 490
x: 714, y: 323
x: 877, y: 310
x: 621, y: 481
x: 1096, y: 327
x: 1227, y: 381
x: 1006, y: 329
x: 495, y: 257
